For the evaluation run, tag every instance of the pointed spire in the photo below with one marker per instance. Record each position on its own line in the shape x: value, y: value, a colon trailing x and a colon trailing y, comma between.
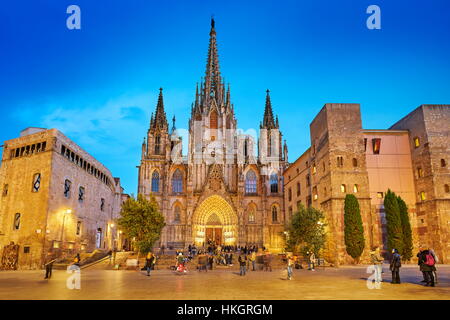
x: 160, y: 120
x: 213, y: 79
x: 173, y: 124
x: 268, y: 120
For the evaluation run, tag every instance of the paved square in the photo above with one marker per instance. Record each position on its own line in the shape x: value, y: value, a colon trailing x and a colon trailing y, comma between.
x: 347, y: 282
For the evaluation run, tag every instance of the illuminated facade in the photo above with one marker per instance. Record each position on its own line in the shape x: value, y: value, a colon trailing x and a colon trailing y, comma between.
x: 55, y: 197
x: 222, y: 190
x: 410, y: 158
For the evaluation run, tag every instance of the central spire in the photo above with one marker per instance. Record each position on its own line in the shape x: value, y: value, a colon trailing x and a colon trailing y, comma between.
x: 213, y: 81
x: 268, y: 120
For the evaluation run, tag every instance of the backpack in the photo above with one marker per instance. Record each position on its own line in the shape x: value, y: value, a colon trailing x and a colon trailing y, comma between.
x: 429, y: 260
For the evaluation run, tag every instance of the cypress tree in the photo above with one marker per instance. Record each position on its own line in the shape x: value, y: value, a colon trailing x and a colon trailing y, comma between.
x: 406, y: 229
x: 393, y: 222
x: 353, y: 227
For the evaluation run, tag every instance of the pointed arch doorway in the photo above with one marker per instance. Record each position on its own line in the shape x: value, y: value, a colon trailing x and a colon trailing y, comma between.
x: 215, y: 220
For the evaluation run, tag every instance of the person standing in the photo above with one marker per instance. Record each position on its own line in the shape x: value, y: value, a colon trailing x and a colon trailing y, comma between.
x: 395, y: 266
x: 290, y: 264
x: 426, y: 263
x: 377, y: 261
x: 149, y: 263
x: 436, y: 260
x: 253, y: 259
x: 49, y: 265
x: 77, y: 260
x: 312, y: 260
x: 242, y: 264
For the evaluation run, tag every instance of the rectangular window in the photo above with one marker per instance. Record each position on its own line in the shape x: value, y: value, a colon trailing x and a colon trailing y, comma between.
x: 298, y: 189
x: 16, y: 221
x: 308, y: 183
x: 102, y: 204
x: 26, y: 249
x: 380, y: 195
x: 78, y: 228
x: 423, y: 196
x: 81, y: 194
x: 36, y: 182
x: 289, y: 194
x: 416, y: 142
x: 376, y: 144
x: 67, y: 186
x: 5, y: 190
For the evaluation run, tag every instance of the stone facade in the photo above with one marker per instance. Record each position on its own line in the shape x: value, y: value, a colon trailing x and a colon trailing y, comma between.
x: 222, y: 190
x: 429, y: 132
x: 344, y: 158
x: 55, y: 197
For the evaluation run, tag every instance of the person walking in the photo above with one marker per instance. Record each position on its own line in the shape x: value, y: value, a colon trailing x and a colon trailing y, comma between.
x: 426, y: 263
x: 242, y: 264
x: 395, y: 266
x: 268, y: 261
x: 290, y: 264
x: 49, y: 265
x: 377, y: 261
x: 148, y: 263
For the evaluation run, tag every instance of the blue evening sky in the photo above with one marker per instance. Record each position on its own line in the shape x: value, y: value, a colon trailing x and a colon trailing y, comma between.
x: 98, y: 85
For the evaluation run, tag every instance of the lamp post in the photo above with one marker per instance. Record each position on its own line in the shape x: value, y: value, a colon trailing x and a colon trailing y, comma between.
x: 65, y: 213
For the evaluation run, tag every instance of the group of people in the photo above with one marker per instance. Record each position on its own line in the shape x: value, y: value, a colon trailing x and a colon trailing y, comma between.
x: 426, y: 259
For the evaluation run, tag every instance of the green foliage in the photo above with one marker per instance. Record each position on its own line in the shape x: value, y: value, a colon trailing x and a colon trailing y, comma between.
x: 307, y: 231
x: 141, y: 220
x: 407, y: 251
x: 393, y: 222
x: 353, y: 227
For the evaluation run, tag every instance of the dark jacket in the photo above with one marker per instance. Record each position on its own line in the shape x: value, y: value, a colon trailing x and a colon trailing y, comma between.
x: 396, y: 262
x: 422, y: 256
x: 242, y: 260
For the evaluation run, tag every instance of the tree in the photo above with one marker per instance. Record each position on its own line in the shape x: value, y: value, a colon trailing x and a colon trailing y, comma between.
x: 393, y: 222
x: 406, y: 230
x: 307, y: 231
x: 141, y: 220
x: 353, y: 227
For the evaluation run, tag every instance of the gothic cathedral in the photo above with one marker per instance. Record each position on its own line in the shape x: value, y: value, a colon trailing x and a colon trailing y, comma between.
x: 227, y: 189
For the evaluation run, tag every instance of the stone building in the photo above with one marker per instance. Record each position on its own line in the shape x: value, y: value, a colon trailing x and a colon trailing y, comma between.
x: 55, y: 197
x: 223, y: 190
x: 410, y: 158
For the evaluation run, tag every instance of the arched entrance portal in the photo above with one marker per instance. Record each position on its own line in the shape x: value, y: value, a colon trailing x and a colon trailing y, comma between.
x: 215, y: 220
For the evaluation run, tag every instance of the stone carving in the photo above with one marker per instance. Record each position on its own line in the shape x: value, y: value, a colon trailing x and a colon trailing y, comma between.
x: 10, y: 257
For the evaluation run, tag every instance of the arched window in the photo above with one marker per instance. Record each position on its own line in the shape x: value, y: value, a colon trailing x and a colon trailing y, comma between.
x: 155, y: 181
x: 447, y: 188
x: 176, y: 214
x: 273, y: 183
x: 213, y: 120
x: 355, y: 188
x: 343, y: 188
x: 251, y: 214
x: 274, y: 214
x: 355, y: 162
x: 177, y: 181
x: 250, y: 182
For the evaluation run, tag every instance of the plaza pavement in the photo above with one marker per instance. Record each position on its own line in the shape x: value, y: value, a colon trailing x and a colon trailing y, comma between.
x: 347, y: 282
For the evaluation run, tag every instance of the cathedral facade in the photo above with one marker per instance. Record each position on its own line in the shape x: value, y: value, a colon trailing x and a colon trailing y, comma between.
x: 229, y: 187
